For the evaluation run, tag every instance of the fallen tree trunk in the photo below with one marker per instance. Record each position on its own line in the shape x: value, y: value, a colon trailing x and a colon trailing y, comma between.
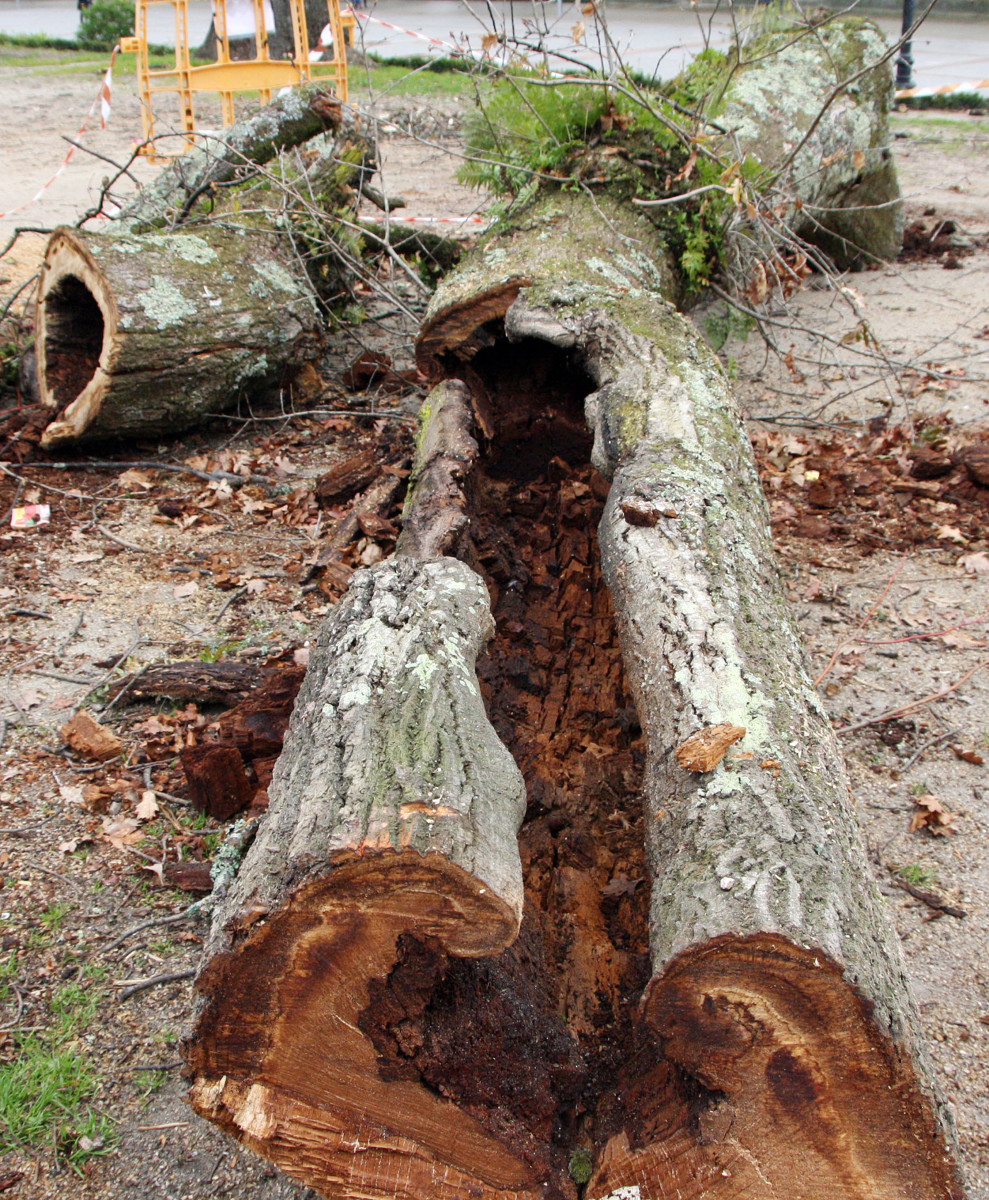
x: 143, y: 333
x: 778, y: 993
x: 148, y: 334
x: 291, y: 119
x: 394, y: 811
x: 705, y: 997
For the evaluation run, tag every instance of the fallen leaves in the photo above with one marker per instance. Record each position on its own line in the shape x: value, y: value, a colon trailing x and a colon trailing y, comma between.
x: 931, y: 816
x: 975, y: 564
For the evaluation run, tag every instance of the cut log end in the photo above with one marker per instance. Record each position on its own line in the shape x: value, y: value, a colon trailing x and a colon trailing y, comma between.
x: 284, y: 1054
x: 77, y: 324
x: 798, y: 1093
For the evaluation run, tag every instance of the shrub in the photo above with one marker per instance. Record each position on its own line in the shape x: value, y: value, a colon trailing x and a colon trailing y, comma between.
x: 104, y: 23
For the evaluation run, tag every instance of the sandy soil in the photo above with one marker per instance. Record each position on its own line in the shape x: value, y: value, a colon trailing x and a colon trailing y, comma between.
x: 102, y: 601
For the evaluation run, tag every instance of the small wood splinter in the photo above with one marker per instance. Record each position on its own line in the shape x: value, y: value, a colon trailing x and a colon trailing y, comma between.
x: 703, y: 750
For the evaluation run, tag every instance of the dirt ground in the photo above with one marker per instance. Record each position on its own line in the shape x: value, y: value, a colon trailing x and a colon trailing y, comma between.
x: 139, y: 566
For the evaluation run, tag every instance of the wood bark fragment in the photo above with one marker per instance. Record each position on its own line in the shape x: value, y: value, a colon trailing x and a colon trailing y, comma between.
x: 703, y: 750
x: 91, y: 739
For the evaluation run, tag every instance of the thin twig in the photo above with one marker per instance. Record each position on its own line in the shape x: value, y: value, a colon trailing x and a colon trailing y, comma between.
x: 132, y: 987
x: 235, y: 595
x: 931, y: 899
x: 122, y: 541
x: 26, y: 830
x: 936, y: 741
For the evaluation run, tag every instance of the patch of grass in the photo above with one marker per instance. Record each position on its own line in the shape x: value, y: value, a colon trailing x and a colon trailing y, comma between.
x: 918, y: 874
x: 47, y: 1090
x: 53, y: 917
x: 73, y: 1007
x: 151, y: 1082
x: 9, y: 970
x: 219, y: 650
x: 396, y: 79
x: 45, y: 1099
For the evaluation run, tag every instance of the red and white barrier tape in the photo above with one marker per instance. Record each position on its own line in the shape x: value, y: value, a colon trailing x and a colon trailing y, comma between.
x: 102, y: 100
x: 401, y: 29
x: 473, y: 220
x: 975, y: 85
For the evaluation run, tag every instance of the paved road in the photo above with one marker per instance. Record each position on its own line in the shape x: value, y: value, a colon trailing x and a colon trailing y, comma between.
x: 652, y: 38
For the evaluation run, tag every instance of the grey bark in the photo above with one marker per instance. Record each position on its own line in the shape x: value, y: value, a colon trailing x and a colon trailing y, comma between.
x: 147, y: 334
x: 289, y: 120
x: 393, y: 811
x: 812, y: 111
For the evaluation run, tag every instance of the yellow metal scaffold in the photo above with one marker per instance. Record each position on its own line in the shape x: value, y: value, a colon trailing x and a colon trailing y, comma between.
x: 261, y: 74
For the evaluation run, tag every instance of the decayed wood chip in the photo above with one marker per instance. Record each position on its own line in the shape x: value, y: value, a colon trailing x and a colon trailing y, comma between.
x: 703, y: 750
x: 91, y: 739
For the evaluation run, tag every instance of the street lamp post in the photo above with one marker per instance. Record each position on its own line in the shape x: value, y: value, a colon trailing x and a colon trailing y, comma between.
x: 904, y: 60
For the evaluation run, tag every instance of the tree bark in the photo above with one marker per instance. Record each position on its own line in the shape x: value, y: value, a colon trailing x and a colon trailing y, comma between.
x: 705, y: 997
x: 141, y: 335
x: 289, y: 120
x: 394, y: 810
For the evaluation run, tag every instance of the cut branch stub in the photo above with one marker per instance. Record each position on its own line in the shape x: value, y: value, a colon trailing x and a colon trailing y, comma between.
x: 393, y: 814
x: 141, y: 335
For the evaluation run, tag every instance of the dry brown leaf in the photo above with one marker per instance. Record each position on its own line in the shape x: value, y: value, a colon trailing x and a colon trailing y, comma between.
x: 156, y: 869
x: 255, y: 586
x: 147, y: 806
x: 122, y: 831
x: 182, y: 591
x: 71, y: 794
x: 620, y: 885
x: 975, y: 564
x: 703, y: 750
x: 133, y: 478
x: 930, y: 814
x: 959, y: 640
x: 577, y: 32
x: 969, y: 756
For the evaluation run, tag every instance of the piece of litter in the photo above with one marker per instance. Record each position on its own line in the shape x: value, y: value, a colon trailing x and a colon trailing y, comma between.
x: 30, y: 515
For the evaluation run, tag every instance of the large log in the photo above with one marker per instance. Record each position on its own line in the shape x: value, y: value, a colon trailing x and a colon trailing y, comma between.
x: 393, y: 815
x: 705, y: 998
x: 143, y: 334
x: 143, y: 331
x: 778, y: 987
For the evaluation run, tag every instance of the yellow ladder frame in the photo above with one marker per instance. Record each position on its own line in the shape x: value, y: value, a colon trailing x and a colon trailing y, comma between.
x: 262, y: 73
